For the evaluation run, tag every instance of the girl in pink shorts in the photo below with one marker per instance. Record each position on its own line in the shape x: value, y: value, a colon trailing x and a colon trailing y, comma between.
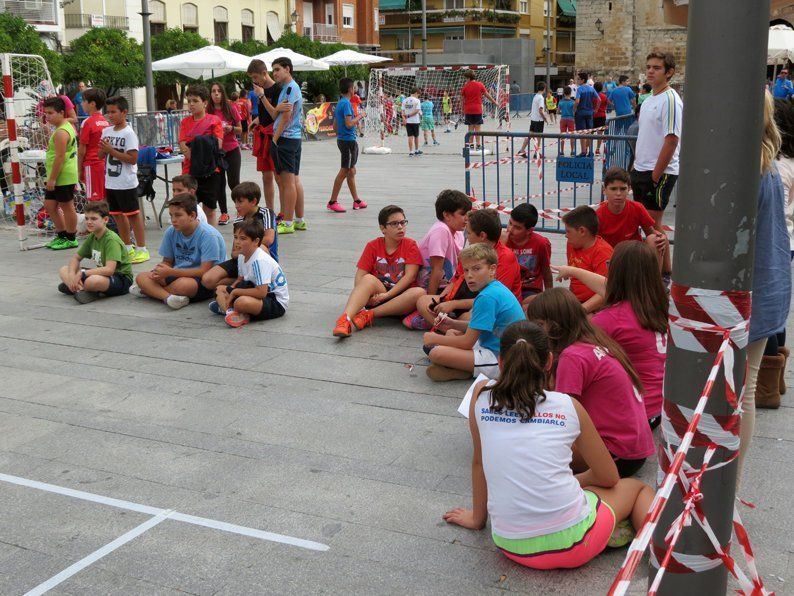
x: 542, y: 514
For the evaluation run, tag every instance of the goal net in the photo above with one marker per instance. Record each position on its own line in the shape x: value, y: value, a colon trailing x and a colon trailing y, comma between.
x: 388, y: 87
x: 23, y: 142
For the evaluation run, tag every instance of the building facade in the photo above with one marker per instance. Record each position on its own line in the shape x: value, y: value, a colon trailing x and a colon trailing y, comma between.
x: 613, y: 37
x: 352, y: 22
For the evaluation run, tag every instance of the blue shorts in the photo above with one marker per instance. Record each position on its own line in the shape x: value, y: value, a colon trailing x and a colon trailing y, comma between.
x: 583, y: 122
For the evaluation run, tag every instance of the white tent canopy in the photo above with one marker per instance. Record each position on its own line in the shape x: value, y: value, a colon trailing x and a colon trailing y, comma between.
x: 781, y: 44
x: 299, y: 61
x: 351, y: 58
x: 207, y: 62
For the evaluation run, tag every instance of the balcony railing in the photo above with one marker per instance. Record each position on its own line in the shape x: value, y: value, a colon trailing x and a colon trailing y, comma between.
x: 33, y: 11
x: 324, y: 32
x: 87, y: 21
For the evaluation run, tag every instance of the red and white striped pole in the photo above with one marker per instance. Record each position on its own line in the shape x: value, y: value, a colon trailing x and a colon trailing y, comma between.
x: 16, y: 172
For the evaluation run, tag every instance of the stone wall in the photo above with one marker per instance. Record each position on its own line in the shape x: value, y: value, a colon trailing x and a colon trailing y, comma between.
x: 630, y: 30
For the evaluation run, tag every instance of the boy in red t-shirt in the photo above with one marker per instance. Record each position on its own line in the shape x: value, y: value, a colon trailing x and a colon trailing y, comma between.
x: 457, y: 299
x: 386, y: 276
x: 200, y: 123
x: 532, y: 251
x: 620, y: 219
x: 471, y: 96
x: 600, y: 115
x: 586, y: 250
x: 89, y: 166
x: 244, y: 109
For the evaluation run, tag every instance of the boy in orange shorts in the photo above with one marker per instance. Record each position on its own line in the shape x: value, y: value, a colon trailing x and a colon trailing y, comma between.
x: 90, y: 167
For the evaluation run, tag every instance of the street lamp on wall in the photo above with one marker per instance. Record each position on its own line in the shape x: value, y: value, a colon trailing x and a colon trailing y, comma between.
x: 294, y: 16
x: 599, y: 26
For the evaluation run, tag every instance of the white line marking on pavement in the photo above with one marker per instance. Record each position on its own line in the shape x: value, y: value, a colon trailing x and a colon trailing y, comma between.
x: 175, y: 515
x: 98, y: 554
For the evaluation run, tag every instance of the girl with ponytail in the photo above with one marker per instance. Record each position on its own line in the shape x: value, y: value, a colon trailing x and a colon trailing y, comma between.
x: 591, y: 367
x: 543, y: 515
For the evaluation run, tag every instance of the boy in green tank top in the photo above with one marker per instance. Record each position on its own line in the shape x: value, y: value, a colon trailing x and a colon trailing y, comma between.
x: 112, y: 274
x: 61, y: 167
x: 446, y: 110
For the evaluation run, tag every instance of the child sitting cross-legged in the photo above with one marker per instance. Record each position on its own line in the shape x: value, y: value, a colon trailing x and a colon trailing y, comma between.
x: 472, y: 347
x: 586, y: 250
x: 185, y: 183
x: 260, y: 291
x: 189, y: 249
x: 543, y: 515
x: 456, y: 300
x: 112, y: 275
x: 385, y: 283
x: 533, y: 251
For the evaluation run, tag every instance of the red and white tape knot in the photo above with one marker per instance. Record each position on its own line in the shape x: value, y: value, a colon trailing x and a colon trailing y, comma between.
x: 700, y: 319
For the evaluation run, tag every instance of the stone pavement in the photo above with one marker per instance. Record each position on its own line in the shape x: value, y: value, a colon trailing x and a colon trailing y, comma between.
x: 277, y: 426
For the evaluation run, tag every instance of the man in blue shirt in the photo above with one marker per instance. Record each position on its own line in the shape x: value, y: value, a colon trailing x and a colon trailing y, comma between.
x: 286, y: 146
x: 623, y: 97
x: 783, y: 88
x: 78, y: 101
x: 254, y: 99
x: 586, y: 104
x: 345, y: 124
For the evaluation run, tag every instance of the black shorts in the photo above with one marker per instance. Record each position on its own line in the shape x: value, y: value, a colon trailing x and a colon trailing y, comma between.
x: 472, y: 119
x: 122, y: 202
x: 202, y: 293
x: 599, y: 122
x: 119, y: 285
x: 207, y: 190
x: 244, y: 126
x: 349, y: 151
x: 653, y: 196
x: 627, y: 467
x: 271, y: 309
x: 286, y: 156
x: 412, y: 129
x: 62, y: 194
x: 536, y: 126
x: 230, y: 267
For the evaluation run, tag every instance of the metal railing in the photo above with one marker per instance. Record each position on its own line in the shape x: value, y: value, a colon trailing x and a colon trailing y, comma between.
x: 323, y: 32
x: 158, y: 129
x: 33, y: 11
x: 547, y: 177
x: 86, y: 21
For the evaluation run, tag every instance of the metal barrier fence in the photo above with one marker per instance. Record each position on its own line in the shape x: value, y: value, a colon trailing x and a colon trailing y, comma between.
x: 553, y: 175
x: 157, y: 129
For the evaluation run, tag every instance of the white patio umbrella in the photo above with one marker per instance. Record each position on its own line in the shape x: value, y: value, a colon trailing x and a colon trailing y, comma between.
x: 781, y: 44
x: 207, y: 62
x: 299, y: 61
x: 352, y: 58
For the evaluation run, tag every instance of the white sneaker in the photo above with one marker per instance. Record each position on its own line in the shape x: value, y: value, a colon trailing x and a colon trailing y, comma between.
x: 136, y: 291
x: 176, y: 302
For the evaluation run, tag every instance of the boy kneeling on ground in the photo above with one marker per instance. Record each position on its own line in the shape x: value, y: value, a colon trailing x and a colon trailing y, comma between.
x: 189, y: 249
x: 112, y: 275
x: 260, y: 291
x: 472, y: 347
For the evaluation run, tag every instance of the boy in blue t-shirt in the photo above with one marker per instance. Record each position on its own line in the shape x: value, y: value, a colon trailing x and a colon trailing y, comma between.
x: 567, y: 123
x: 428, y: 120
x: 189, y: 249
x: 472, y: 347
x: 345, y: 124
x: 585, y: 105
x: 623, y: 97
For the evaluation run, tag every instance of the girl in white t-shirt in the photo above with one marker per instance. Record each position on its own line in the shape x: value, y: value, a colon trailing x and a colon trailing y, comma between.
x: 542, y: 515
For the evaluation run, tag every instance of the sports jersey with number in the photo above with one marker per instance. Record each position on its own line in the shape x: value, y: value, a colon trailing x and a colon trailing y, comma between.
x: 260, y: 269
x: 120, y: 175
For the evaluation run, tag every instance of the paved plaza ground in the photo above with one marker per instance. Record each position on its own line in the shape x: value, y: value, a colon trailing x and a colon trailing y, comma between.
x: 276, y: 427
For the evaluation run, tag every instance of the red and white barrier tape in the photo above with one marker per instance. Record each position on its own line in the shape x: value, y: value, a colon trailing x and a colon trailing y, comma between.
x: 477, y: 165
x: 700, y: 321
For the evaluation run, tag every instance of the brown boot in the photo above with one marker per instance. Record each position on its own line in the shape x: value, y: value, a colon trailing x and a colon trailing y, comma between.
x: 767, y: 391
x: 784, y: 351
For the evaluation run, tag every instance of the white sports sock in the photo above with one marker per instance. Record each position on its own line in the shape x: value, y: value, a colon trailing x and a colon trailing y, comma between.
x: 129, y: 247
x: 298, y: 219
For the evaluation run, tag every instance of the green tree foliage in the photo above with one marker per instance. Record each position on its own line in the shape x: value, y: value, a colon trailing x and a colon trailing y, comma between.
x: 171, y: 43
x: 107, y: 58
x: 16, y: 36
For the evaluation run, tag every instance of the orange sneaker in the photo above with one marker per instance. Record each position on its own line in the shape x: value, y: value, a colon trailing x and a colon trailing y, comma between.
x: 344, y: 328
x: 364, y: 318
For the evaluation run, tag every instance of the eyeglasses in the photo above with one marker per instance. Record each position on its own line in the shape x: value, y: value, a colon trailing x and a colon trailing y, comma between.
x: 397, y: 224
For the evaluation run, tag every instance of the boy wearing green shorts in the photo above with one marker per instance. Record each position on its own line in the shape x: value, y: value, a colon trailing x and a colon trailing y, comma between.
x: 428, y: 120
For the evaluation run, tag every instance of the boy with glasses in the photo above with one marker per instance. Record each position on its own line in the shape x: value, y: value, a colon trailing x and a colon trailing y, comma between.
x: 385, y: 283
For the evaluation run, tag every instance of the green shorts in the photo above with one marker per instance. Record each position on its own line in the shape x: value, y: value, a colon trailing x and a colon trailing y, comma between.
x: 428, y: 124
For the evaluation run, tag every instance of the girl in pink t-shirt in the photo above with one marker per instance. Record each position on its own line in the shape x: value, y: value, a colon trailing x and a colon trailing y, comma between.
x: 592, y: 368
x: 635, y: 314
x: 224, y: 109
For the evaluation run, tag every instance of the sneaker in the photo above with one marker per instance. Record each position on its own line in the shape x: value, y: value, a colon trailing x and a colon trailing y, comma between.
x: 84, y: 297
x: 344, y: 328
x: 364, y: 318
x: 436, y: 143
x: 621, y: 535
x: 419, y: 152
x: 67, y: 244
x: 215, y: 308
x: 236, y: 319
x: 176, y: 302
x: 301, y: 226
x: 426, y: 143
x: 135, y: 290
x: 598, y: 152
x: 438, y: 372
x: 64, y: 289
x: 359, y: 205
x: 223, y: 219
x: 59, y: 244
x: 335, y: 207
x: 282, y: 228
x: 522, y: 154
x: 410, y: 154
x: 131, y: 253
x: 140, y: 255
x: 52, y: 242
x: 416, y: 321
